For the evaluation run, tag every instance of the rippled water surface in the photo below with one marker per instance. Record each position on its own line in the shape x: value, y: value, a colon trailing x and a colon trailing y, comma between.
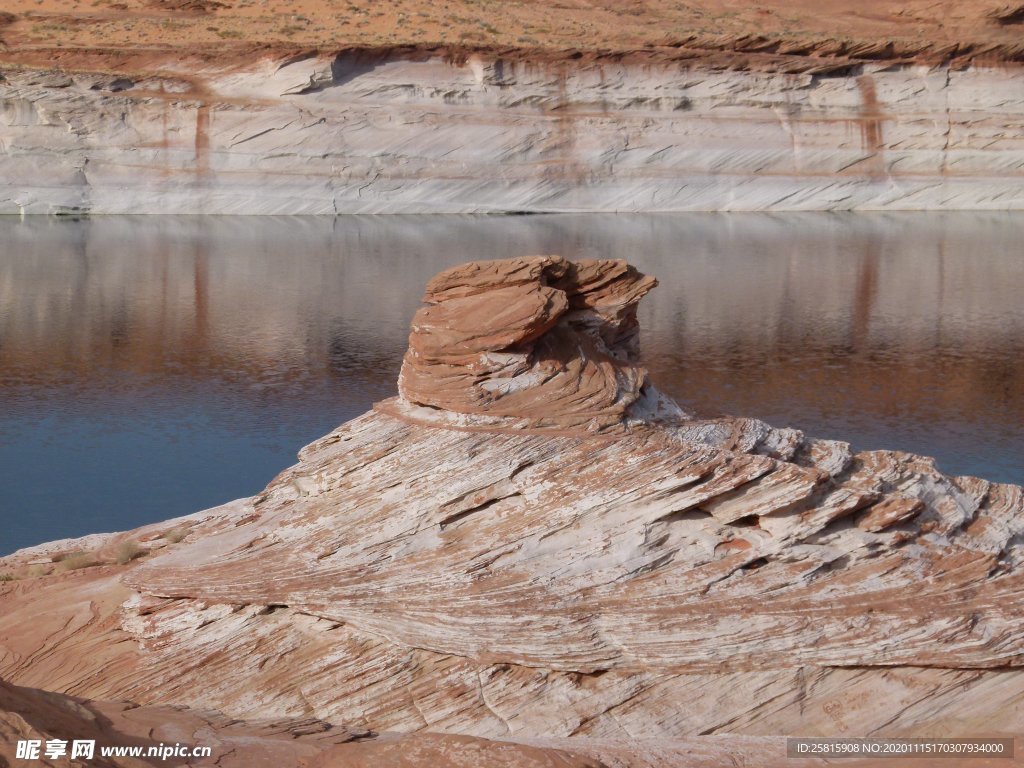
x: 150, y: 367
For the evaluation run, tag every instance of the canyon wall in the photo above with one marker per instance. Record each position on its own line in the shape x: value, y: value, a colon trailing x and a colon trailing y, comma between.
x: 415, y: 131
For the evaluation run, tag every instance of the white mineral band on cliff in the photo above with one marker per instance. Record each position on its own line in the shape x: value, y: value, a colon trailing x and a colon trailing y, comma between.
x: 422, y: 132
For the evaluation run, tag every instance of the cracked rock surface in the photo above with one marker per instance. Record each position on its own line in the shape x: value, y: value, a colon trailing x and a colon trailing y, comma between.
x: 530, y: 544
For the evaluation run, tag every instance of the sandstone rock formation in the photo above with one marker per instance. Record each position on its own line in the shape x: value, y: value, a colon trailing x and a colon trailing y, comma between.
x: 543, y: 341
x: 530, y: 544
x: 30, y: 714
x: 433, y: 130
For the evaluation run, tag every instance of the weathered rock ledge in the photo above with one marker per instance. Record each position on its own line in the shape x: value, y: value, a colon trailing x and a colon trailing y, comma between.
x: 420, y: 131
x: 531, y: 545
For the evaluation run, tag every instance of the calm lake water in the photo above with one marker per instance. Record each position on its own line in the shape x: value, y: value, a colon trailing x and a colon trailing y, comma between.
x: 154, y: 366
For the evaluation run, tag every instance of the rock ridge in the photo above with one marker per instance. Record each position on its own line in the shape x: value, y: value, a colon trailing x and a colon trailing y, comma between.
x: 598, y: 577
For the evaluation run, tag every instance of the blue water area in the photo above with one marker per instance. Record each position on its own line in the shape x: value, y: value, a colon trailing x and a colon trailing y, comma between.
x: 154, y: 366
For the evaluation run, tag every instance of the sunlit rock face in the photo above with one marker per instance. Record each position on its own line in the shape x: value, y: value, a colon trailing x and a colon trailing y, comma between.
x: 514, y: 548
x: 421, y: 131
x: 538, y: 342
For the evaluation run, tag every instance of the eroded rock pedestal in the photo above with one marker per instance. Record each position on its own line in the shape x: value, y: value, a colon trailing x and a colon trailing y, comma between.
x: 531, y: 544
x: 538, y: 342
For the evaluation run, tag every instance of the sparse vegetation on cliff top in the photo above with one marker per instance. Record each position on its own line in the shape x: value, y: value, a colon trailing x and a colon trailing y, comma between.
x: 879, y: 28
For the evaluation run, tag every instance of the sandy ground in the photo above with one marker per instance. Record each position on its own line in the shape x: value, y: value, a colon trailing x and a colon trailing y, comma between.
x: 31, y: 30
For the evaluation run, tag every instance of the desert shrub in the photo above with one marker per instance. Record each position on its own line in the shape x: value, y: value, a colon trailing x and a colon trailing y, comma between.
x: 73, y: 561
x: 176, y: 535
x: 128, y: 551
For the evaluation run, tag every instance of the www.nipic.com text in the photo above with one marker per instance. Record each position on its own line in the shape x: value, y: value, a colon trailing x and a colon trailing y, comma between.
x: 51, y: 749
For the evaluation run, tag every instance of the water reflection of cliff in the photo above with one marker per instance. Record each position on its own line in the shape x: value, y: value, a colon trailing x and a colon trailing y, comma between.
x: 863, y: 323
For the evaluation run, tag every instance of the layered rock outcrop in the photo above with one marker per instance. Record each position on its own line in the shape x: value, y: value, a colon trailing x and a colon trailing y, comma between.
x: 436, y: 130
x: 616, y: 580
x: 540, y: 341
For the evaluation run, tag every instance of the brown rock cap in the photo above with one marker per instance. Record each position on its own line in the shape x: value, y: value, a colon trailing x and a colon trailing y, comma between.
x: 542, y: 340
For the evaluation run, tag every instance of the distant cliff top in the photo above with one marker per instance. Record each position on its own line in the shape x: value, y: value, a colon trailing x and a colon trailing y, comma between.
x: 821, y: 33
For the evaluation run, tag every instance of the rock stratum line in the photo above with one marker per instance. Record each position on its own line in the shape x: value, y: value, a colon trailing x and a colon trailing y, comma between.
x: 532, y: 547
x: 412, y: 130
